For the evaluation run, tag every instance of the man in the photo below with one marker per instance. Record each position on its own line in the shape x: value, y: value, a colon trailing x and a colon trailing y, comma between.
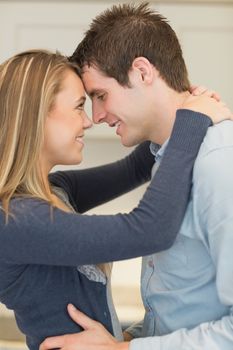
x: 134, y: 72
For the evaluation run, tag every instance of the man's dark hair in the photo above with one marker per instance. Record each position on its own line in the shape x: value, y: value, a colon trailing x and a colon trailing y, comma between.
x: 120, y: 34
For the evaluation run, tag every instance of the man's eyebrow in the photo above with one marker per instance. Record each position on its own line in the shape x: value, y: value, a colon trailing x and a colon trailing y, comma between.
x: 93, y: 93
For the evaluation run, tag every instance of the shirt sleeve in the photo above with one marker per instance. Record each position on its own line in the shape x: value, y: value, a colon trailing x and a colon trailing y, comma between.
x: 88, y: 188
x: 135, y: 329
x: 214, y: 191
x: 37, y: 235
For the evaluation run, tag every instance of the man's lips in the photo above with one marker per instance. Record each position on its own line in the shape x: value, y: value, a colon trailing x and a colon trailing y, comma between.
x: 116, y: 124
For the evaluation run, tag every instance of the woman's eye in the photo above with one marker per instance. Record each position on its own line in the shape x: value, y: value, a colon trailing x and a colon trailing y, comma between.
x: 80, y: 107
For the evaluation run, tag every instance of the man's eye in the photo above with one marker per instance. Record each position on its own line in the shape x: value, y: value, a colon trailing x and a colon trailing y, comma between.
x: 101, y: 97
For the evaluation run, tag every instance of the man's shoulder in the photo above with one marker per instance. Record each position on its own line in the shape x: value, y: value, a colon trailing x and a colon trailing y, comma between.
x: 218, y: 137
x: 214, y: 160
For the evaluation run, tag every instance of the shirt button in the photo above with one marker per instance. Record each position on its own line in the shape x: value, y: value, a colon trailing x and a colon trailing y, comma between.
x: 150, y: 263
x: 105, y: 314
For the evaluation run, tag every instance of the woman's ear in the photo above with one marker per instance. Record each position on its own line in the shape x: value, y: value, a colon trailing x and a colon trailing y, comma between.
x: 144, y: 69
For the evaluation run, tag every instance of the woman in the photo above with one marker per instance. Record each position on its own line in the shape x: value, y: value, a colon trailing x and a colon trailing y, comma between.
x: 45, y: 245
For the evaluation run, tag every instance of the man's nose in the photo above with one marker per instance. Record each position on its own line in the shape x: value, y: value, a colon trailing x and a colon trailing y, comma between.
x: 98, y: 115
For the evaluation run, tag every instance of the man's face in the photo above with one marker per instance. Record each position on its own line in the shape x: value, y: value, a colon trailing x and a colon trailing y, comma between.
x: 122, y: 107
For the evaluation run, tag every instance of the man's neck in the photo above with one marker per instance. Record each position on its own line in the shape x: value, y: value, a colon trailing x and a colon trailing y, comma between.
x: 166, y: 105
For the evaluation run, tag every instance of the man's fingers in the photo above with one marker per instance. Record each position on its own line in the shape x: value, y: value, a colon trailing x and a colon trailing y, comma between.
x: 52, y: 343
x: 79, y: 317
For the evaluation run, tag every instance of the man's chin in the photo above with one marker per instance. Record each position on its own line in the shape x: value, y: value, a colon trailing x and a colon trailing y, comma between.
x: 129, y: 143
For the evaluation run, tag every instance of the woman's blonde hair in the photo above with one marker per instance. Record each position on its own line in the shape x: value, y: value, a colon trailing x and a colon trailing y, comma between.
x: 29, y: 83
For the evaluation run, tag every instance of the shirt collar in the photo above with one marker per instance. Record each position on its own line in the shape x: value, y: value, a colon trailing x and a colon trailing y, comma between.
x: 158, y: 151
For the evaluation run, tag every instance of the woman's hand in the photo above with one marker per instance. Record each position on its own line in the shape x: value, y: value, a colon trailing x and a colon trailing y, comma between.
x: 203, y: 103
x: 200, y: 90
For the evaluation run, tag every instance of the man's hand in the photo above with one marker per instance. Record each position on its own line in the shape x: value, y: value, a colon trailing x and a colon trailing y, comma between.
x: 206, y: 104
x: 127, y: 336
x: 94, y: 336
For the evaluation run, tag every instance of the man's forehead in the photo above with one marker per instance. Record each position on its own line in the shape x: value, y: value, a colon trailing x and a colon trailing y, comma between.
x: 85, y: 69
x: 94, y: 80
x: 91, y: 69
x: 90, y: 75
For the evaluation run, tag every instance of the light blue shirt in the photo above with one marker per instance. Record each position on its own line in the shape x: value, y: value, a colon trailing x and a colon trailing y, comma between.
x: 187, y: 290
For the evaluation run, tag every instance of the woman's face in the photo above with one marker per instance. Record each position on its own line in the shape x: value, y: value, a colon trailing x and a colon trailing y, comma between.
x: 65, y: 125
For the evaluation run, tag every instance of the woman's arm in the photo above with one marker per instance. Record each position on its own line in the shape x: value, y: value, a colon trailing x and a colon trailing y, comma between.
x: 94, y: 186
x: 33, y: 236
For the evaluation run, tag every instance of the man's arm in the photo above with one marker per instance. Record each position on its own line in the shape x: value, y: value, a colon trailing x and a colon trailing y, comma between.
x: 213, y: 335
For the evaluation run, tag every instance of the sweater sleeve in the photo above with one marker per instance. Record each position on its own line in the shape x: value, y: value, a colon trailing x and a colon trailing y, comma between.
x: 91, y: 187
x: 35, y: 236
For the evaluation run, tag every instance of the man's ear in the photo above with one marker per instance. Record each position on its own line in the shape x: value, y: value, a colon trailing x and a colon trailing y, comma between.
x: 144, y: 70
